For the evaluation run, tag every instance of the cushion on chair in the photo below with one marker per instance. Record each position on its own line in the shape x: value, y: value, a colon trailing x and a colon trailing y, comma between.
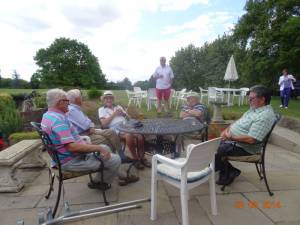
x: 174, y: 173
x: 70, y: 174
x: 246, y: 158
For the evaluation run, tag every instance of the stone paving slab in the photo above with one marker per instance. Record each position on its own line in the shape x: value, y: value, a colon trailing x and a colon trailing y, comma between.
x: 284, y: 206
x: 283, y: 175
x: 229, y: 213
x: 18, y: 202
x: 196, y: 213
x: 11, y: 216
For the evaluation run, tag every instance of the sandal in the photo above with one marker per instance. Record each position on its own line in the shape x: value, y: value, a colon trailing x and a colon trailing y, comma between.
x: 127, y: 180
x: 99, y: 185
x: 139, y: 165
x: 146, y: 163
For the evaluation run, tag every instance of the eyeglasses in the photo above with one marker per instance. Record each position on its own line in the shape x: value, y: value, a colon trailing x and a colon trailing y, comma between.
x: 64, y: 100
x: 251, y: 98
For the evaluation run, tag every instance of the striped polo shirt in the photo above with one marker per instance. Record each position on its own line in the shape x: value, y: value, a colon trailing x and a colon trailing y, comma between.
x: 255, y: 123
x: 61, y: 132
x: 198, y: 107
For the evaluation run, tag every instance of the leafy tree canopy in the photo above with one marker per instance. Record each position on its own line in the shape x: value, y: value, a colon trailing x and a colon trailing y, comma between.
x: 269, y: 33
x: 68, y: 62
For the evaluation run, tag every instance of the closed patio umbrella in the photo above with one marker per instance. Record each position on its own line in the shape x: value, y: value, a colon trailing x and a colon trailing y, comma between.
x: 231, y: 73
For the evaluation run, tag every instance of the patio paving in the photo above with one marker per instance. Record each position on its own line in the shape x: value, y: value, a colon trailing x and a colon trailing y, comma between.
x: 245, y: 202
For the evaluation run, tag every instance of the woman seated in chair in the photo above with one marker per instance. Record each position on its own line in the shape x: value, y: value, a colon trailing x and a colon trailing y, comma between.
x: 111, y: 116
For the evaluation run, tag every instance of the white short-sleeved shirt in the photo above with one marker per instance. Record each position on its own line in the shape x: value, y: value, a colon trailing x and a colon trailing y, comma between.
x: 105, y: 112
x: 165, y: 81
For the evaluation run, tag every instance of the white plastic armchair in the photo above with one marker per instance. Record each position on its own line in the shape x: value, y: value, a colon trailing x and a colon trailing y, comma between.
x: 181, y: 97
x: 151, y: 98
x: 186, y: 173
x: 134, y: 98
x: 203, y: 93
x: 243, y: 95
x: 214, y: 95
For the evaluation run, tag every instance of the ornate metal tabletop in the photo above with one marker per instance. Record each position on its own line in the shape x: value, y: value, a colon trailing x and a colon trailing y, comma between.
x: 163, y: 126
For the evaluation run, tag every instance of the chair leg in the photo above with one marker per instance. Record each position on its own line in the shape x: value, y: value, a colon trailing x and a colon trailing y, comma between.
x: 184, y: 205
x: 212, y: 191
x: 265, y: 178
x: 102, y: 181
x: 259, y: 171
x: 153, y: 215
x: 51, y: 182
x: 60, y: 183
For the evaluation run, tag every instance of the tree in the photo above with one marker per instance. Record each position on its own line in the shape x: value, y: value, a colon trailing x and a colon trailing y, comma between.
x: 68, y: 62
x: 269, y: 33
x: 124, y: 84
x: 144, y: 85
x: 194, y: 67
x: 15, y: 79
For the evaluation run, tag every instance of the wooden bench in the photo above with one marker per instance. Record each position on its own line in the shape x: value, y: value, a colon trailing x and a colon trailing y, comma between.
x: 24, y: 154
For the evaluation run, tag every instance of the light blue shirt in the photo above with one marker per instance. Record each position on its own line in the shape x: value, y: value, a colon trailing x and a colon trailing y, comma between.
x: 255, y: 123
x: 79, y: 120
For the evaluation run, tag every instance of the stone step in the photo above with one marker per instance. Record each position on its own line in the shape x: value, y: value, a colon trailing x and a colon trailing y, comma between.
x: 285, y: 138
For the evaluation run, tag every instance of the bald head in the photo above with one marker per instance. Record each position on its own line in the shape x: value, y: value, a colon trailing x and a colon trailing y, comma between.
x: 162, y: 61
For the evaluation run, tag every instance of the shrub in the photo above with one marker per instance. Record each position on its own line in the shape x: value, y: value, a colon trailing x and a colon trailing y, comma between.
x: 10, y: 120
x: 94, y: 93
x: 40, y: 101
x: 232, y: 115
x: 19, y: 136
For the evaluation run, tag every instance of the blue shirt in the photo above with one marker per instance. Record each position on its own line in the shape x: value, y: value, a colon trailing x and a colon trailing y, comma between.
x: 78, y: 119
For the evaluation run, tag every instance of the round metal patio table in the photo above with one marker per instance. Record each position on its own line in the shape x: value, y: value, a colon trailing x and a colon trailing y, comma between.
x: 161, y: 127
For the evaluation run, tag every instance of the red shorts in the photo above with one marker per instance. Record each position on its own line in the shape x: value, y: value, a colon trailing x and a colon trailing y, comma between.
x: 163, y: 94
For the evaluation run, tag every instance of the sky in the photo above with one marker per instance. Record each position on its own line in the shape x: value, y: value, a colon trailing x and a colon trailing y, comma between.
x: 127, y: 37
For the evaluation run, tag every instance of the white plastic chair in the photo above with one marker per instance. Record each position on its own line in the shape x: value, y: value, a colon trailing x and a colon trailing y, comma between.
x: 134, y: 98
x: 243, y: 95
x: 214, y: 95
x: 181, y: 97
x: 151, y: 98
x: 185, y: 174
x: 172, y: 97
x: 203, y: 93
x: 137, y: 89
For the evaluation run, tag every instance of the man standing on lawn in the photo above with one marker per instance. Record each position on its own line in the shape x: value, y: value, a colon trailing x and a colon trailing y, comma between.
x: 164, y: 77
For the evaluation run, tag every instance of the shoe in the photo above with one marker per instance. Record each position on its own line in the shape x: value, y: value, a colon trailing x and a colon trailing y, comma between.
x: 146, y: 163
x: 286, y: 107
x: 99, y: 185
x: 281, y: 106
x: 138, y: 165
x: 123, y: 181
x: 168, y: 114
x: 233, y: 173
x: 222, y: 178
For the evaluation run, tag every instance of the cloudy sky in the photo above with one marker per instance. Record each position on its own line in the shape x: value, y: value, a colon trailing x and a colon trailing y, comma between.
x: 127, y: 36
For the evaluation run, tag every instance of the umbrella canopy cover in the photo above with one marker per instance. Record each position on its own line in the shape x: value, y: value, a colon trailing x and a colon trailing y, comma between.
x: 231, y: 73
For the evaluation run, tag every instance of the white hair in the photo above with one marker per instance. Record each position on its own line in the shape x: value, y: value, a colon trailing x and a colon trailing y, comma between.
x: 54, y: 96
x: 73, y: 94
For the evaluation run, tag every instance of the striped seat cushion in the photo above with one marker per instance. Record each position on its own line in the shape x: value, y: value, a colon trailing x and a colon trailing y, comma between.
x: 175, y: 173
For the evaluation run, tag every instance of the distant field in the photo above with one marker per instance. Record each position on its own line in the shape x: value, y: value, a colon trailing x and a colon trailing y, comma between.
x: 121, y: 98
x: 22, y: 90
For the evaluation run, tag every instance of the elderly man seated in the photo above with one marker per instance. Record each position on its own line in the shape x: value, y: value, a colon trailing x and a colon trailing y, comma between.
x: 85, y: 126
x: 193, y: 109
x: 75, y: 154
x: 111, y: 116
x: 244, y: 136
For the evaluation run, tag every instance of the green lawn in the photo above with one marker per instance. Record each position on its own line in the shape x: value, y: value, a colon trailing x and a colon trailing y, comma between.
x: 229, y: 112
